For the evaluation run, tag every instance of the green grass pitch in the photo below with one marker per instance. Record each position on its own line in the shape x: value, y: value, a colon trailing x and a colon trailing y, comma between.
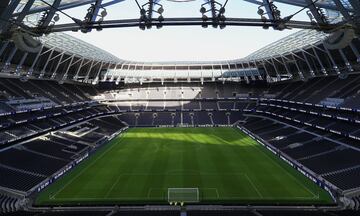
x: 141, y: 164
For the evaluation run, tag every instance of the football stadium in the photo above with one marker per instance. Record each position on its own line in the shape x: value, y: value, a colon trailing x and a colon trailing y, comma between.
x: 119, y: 107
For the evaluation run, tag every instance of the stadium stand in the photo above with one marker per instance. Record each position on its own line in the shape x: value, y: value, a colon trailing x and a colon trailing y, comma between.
x: 26, y: 166
x: 62, y: 100
x: 317, y: 130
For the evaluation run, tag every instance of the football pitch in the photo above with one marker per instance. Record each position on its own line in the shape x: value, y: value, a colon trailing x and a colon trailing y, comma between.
x: 224, y: 164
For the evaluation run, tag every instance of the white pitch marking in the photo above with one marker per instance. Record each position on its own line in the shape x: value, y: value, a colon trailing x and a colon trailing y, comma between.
x: 253, y: 185
x: 82, y: 171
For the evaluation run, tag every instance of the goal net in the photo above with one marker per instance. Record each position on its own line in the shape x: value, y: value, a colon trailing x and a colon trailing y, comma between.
x: 184, y: 195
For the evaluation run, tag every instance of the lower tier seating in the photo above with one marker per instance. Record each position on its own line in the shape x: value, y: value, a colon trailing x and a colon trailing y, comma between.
x: 335, y: 161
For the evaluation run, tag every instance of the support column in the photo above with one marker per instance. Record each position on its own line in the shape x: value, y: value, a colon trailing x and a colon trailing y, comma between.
x: 346, y: 61
x: 308, y: 64
x: 24, y: 11
x: 356, y: 51
x: 3, y: 47
x: 57, y: 66
x: 356, y: 5
x: 31, y: 69
x: 51, y: 13
x: 335, y: 67
x: 78, y: 70
x: 7, y: 8
x: 64, y: 77
x: 19, y: 66
x: 323, y: 70
x: 301, y: 75
x: 89, y: 71
x: 278, y: 77
x: 9, y: 58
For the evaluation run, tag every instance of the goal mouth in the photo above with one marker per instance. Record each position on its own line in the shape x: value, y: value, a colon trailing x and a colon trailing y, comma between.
x: 183, y: 195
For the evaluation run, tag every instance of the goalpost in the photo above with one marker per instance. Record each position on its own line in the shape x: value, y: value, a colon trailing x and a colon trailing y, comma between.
x: 183, y: 195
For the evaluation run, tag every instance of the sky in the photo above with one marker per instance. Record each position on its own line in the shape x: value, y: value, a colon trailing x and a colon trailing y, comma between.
x: 182, y: 43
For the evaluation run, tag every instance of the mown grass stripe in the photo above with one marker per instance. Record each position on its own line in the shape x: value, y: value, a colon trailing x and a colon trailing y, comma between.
x: 241, y: 171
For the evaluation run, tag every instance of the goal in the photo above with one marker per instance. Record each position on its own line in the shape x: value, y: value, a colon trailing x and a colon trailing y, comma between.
x: 183, y: 195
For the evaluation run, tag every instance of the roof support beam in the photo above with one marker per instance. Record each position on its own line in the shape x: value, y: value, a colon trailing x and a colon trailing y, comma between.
x: 3, y: 6
x: 92, y: 14
x: 78, y: 70
x: 286, y: 66
x: 89, y: 71
x: 64, y: 77
x: 356, y: 51
x: 31, y: 69
x: 50, y: 13
x: 107, y: 72
x: 356, y: 5
x: 57, y: 66
x: 335, y: 67
x: 316, y: 12
x: 3, y: 47
x: 311, y: 70
x: 9, y: 58
x: 343, y: 10
x: 98, y: 72
x: 346, y: 61
x: 19, y: 66
x: 320, y: 62
x: 42, y: 73
x: 268, y: 77
x: 7, y: 8
x: 25, y: 11
x: 301, y: 75
x: 278, y: 77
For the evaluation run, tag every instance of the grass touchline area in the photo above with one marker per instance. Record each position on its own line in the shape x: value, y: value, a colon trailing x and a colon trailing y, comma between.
x: 225, y: 164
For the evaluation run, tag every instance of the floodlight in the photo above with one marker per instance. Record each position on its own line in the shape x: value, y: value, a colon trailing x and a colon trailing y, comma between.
x: 260, y: 12
x: 281, y: 26
x: 104, y: 13
x: 142, y: 26
x: 161, y: 18
x: 56, y: 18
x: 143, y: 17
x: 160, y: 10
x: 204, y: 17
x: 148, y: 25
x: 222, y: 18
x: 222, y: 10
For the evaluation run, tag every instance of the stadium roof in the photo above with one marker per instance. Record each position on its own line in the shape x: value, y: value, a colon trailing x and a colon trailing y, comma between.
x: 327, y: 4
x: 41, y: 18
x: 66, y: 42
x: 39, y: 6
x: 291, y: 43
x: 72, y: 45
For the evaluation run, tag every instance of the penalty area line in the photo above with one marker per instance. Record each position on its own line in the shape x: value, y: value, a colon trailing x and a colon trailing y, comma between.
x: 253, y: 185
